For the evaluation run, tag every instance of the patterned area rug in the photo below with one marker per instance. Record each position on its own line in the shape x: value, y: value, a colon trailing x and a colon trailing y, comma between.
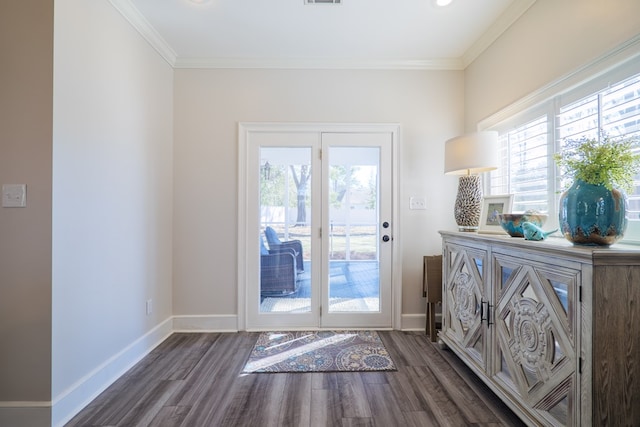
x: 319, y: 351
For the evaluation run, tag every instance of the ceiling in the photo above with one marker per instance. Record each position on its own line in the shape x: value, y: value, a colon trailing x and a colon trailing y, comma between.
x: 405, y: 34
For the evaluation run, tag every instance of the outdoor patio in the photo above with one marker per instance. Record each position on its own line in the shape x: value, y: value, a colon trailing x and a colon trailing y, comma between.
x: 354, y: 286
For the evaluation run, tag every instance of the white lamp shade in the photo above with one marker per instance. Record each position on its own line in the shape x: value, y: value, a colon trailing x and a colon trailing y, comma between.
x: 471, y: 154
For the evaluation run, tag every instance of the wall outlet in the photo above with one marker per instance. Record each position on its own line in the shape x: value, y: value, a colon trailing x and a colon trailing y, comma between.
x: 417, y: 203
x: 149, y: 307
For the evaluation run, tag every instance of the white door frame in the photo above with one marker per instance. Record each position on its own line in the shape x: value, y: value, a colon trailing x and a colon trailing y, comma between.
x: 244, y: 131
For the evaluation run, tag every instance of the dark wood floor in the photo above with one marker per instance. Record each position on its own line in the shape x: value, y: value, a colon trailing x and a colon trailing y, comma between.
x: 195, y: 380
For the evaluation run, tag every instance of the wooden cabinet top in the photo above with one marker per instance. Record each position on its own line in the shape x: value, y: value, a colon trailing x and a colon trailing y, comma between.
x: 617, y: 254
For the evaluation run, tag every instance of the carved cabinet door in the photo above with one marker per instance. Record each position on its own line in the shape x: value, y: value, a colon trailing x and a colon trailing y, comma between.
x: 466, y: 304
x: 535, y: 327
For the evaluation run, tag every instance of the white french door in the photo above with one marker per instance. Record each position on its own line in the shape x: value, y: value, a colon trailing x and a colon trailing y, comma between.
x: 356, y: 280
x: 318, y: 204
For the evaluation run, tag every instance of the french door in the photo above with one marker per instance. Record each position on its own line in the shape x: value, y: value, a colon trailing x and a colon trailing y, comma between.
x: 319, y: 209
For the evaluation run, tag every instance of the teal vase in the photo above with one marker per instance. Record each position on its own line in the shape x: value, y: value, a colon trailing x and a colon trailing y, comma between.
x: 592, y: 214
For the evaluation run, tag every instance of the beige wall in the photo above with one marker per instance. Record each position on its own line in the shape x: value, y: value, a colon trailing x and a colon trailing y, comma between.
x: 553, y: 38
x: 112, y: 205
x: 26, y: 85
x: 210, y: 103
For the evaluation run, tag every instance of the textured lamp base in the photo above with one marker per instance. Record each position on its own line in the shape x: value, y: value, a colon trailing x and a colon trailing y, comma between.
x: 468, y: 203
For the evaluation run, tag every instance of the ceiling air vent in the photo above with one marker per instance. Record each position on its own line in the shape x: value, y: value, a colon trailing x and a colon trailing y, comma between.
x: 322, y: 1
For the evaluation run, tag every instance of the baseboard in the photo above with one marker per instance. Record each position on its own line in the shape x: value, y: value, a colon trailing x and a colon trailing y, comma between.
x: 66, y: 405
x: 25, y: 414
x: 414, y: 322
x: 229, y: 323
x: 206, y: 323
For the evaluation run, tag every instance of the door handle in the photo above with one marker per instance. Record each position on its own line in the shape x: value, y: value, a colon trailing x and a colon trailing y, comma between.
x: 385, y: 224
x: 385, y: 238
x: 489, y: 307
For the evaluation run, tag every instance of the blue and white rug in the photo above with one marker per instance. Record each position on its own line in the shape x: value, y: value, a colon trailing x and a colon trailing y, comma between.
x: 319, y: 351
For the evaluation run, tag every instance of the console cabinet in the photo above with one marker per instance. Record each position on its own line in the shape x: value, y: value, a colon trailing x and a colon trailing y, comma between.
x: 553, y: 329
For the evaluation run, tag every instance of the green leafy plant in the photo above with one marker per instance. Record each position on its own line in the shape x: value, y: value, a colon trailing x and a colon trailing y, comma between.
x: 605, y: 161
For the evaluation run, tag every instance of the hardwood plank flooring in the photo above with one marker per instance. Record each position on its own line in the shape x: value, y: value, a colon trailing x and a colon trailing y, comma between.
x: 194, y: 380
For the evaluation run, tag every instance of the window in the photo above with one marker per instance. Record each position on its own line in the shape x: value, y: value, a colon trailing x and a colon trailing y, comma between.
x: 524, y: 166
x: 529, y: 141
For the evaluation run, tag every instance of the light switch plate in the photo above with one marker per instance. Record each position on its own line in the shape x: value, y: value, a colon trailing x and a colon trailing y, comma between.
x: 14, y: 195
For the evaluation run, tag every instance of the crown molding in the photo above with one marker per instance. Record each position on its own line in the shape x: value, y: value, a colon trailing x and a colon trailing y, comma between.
x: 313, y: 63
x: 140, y: 23
x: 502, y: 24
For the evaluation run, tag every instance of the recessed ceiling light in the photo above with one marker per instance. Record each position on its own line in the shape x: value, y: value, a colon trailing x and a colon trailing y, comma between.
x: 443, y: 3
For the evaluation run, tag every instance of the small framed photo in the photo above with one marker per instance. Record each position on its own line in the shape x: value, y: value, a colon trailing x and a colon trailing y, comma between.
x: 492, y: 206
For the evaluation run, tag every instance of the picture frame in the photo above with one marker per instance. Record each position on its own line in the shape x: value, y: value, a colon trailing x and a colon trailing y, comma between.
x: 491, y: 207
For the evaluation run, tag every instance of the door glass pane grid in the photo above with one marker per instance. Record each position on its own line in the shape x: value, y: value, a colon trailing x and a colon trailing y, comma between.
x: 285, y: 211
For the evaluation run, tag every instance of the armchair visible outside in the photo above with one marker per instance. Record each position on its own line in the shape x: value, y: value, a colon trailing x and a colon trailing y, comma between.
x: 278, y: 274
x: 275, y: 243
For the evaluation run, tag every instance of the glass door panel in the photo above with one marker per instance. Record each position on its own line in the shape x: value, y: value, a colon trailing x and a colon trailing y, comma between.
x: 281, y: 266
x: 285, y: 230
x: 354, y: 282
x: 357, y: 244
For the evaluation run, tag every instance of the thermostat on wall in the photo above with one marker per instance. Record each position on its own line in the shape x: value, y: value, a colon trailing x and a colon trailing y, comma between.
x: 14, y: 195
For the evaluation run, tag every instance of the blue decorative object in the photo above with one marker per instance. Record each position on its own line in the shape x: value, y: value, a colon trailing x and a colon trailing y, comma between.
x: 512, y: 222
x: 592, y: 215
x: 533, y: 232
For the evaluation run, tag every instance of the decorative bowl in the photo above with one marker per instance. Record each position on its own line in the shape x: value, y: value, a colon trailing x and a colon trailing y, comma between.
x: 512, y: 222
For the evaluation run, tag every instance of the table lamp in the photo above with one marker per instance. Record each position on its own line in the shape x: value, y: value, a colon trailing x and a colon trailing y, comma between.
x: 468, y: 156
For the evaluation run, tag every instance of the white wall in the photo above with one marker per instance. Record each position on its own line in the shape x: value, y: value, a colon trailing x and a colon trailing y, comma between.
x: 210, y: 103
x: 26, y: 84
x: 112, y: 198
x: 553, y: 38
